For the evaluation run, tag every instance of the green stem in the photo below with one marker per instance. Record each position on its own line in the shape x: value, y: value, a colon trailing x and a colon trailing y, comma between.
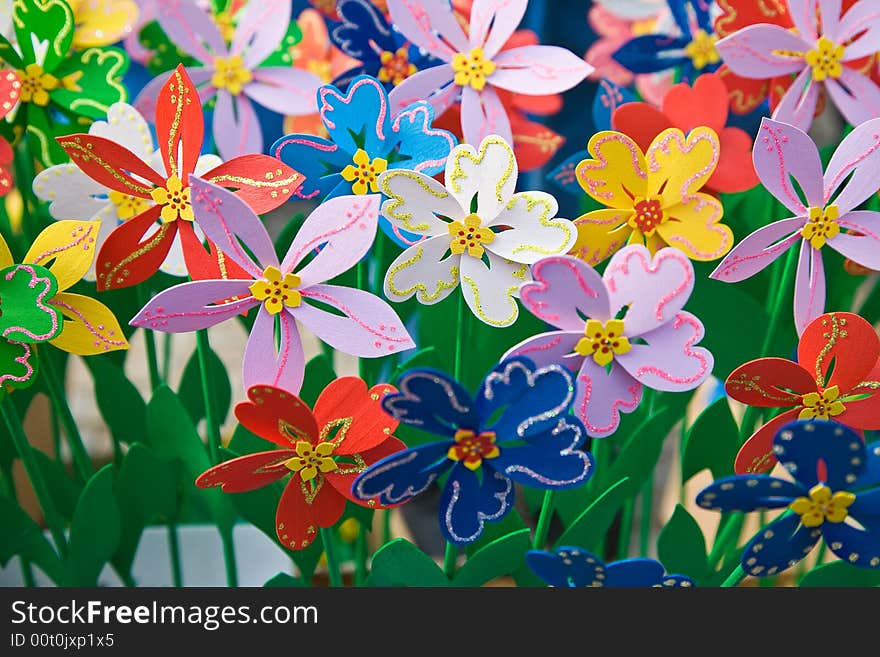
x: 645, y: 519
x: 23, y: 166
x: 729, y: 529
x: 820, y: 555
x: 174, y: 551
x: 544, y: 518
x: 626, y: 518
x: 19, y: 439
x: 450, y: 556
x: 333, y: 572
x: 166, y: 355
x: 81, y: 462
x: 734, y: 578
x: 27, y: 573
x: 386, y: 526
x: 360, y: 556
x: 459, y: 338
x: 150, y: 342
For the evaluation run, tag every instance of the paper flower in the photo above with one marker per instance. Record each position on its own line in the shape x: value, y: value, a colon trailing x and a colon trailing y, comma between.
x: 573, y: 567
x: 614, y: 355
x: 533, y: 441
x: 133, y: 252
x: 235, y: 74
x: 74, y: 195
x: 55, y: 78
x: 822, y: 205
x: 829, y: 496
x: 691, y: 51
x: 684, y: 107
x: 836, y: 377
x: 323, y: 451
x: 475, y: 65
x: 827, y: 55
x: 651, y: 198
x: 102, y: 22
x: 293, y: 290
x: 10, y: 89
x: 487, y: 236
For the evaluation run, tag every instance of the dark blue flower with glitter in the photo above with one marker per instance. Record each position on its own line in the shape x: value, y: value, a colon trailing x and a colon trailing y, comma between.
x: 365, y: 140
x: 835, y: 496
x: 692, y: 51
x: 574, y: 567
x: 364, y: 34
x: 517, y: 429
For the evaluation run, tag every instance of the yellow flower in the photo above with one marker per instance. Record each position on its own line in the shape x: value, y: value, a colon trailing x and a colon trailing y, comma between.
x: 651, y: 198
x: 472, y: 69
x: 36, y: 85
x: 364, y: 172
x: 822, y: 226
x: 310, y: 459
x: 396, y: 66
x: 277, y: 291
x: 127, y: 206
x: 470, y: 236
x: 603, y: 342
x: 174, y: 199
x: 230, y: 74
x: 822, y: 506
x: 701, y: 50
x: 825, y: 59
x: 821, y: 407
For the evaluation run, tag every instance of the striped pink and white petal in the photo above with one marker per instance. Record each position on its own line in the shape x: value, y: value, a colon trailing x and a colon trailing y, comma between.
x: 759, y: 250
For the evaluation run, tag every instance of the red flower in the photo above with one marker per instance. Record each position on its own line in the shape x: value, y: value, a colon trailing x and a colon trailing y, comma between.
x: 10, y: 87
x: 837, y: 377
x: 134, y: 250
x: 685, y: 108
x: 347, y: 432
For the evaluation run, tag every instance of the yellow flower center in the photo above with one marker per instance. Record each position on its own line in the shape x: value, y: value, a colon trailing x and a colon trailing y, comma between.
x: 822, y: 505
x: 470, y: 236
x: 472, y: 69
x: 825, y: 59
x: 36, y: 85
x: 396, y: 66
x: 127, y: 206
x: 648, y: 215
x: 603, y: 341
x: 471, y: 448
x: 230, y: 74
x: 224, y: 23
x: 311, y: 459
x: 822, y: 226
x: 821, y: 407
x: 702, y: 50
x: 364, y: 172
x: 174, y: 199
x: 277, y: 290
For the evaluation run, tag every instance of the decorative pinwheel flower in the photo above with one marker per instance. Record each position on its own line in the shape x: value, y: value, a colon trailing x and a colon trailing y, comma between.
x: 824, y: 55
x: 690, y: 51
x: 345, y: 434
x: 834, y: 495
x: 36, y: 307
x: 475, y: 65
x: 237, y: 74
x: 10, y: 90
x: 133, y: 251
x: 651, y: 198
x: 533, y: 441
x: 54, y: 78
x: 836, y: 377
x: 651, y: 345
x: 823, y: 205
x: 362, y: 324
x: 573, y: 567
x: 487, y: 236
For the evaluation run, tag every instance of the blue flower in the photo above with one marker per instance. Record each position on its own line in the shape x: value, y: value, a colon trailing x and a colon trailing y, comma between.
x: 384, y: 53
x: 365, y: 140
x: 835, y: 495
x: 518, y: 429
x: 573, y: 567
x: 692, y: 51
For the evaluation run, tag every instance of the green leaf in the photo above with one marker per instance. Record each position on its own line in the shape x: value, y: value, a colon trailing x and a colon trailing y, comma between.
x: 681, y: 546
x: 95, y: 530
x: 591, y: 525
x: 119, y: 401
x: 400, y: 563
x: 502, y: 556
x: 100, y: 85
x: 711, y: 442
x: 318, y: 375
x: 22, y: 537
x: 63, y: 490
x: 190, y: 389
x: 282, y: 580
x: 840, y: 573
x: 52, y: 22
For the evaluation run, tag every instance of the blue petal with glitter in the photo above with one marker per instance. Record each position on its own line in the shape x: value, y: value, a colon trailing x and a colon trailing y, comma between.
x: 801, y: 447
x: 317, y: 159
x: 403, y: 475
x: 608, y: 98
x: 564, y: 176
x: 859, y: 546
x: 567, y: 567
x: 652, y: 53
x: 470, y: 499
x: 870, y: 477
x: 362, y: 33
x: 432, y: 401
x: 778, y: 546
x: 749, y: 493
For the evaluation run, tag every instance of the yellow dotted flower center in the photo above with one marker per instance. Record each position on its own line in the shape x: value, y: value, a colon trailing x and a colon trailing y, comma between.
x: 470, y: 236
x: 36, y: 85
x: 363, y: 172
x: 396, y: 66
x: 821, y: 226
x: 822, y: 505
x: 603, y: 341
x: 277, y: 290
x: 821, y: 406
x: 825, y: 59
x: 471, y: 448
x: 311, y: 459
x: 472, y: 69
x: 648, y: 215
x: 701, y: 50
x: 127, y: 206
x: 230, y: 74
x: 174, y: 199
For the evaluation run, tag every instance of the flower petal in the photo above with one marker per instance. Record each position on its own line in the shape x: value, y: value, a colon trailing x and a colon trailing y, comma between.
x: 403, y: 475
x: 757, y: 51
x: 600, y: 234
x: 567, y: 567
x: 260, y: 28
x: 319, y: 160
x: 802, y: 446
x: 769, y: 382
x: 564, y: 290
x: 261, y: 181
x: 191, y: 28
x: 278, y: 416
x: 748, y: 492
x: 18, y: 364
x: 89, y: 326
x: 66, y: 248
x: 809, y: 287
x: 467, y: 502
x: 861, y: 25
x: 126, y: 127
x: 651, y: 53
x: 195, y: 305
x: 236, y: 127
x: 286, y: 90
x: 416, y: 201
x: 617, y: 173
x: 343, y: 478
x: 433, y: 85
x: 635, y: 573
x: 493, y: 22
x: 756, y: 454
x: 602, y: 395
x: 735, y: 171
x: 489, y: 173
x: 362, y: 109
x: 423, y: 270
x: 111, y: 165
x: 538, y: 70
x: 302, y: 511
x: 72, y: 193
x: 694, y: 227
x: 490, y: 290
x: 533, y: 232
x: 432, y: 401
x: 366, y: 424
x: 134, y: 251
x: 778, y: 546
x: 551, y: 347
x: 798, y: 105
x: 862, y: 243
x: 430, y: 25
x: 842, y: 340
x: 247, y: 473
x: 483, y: 114
x: 757, y: 251
x: 851, y: 170
x: 679, y: 166
x: 857, y: 97
x: 427, y: 147
x: 856, y: 546
x: 180, y: 126
x: 642, y: 122
x: 276, y: 361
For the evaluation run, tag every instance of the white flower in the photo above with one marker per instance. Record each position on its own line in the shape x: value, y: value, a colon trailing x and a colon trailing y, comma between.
x: 74, y: 195
x: 475, y: 230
